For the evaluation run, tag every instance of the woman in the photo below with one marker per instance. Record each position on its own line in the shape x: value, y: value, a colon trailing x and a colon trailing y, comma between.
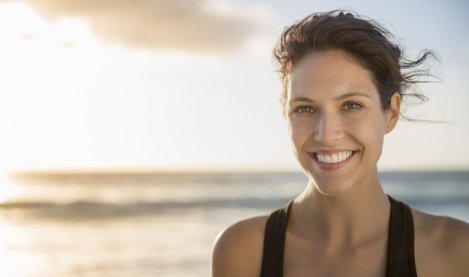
x: 343, y: 87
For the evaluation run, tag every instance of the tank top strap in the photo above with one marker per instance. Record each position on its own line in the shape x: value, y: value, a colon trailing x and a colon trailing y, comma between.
x: 274, y: 242
x: 400, y: 249
x: 400, y: 257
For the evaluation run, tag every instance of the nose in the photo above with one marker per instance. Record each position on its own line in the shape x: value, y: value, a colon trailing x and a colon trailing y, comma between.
x: 328, y: 129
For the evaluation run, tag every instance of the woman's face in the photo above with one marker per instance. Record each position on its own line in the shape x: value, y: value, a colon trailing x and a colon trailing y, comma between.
x: 335, y: 120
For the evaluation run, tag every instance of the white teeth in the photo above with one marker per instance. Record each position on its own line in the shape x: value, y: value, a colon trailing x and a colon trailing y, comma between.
x: 334, y: 158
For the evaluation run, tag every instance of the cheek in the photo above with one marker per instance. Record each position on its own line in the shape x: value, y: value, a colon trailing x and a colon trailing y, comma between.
x: 370, y: 133
x: 299, y: 136
x: 379, y: 128
x: 369, y: 130
x: 299, y: 133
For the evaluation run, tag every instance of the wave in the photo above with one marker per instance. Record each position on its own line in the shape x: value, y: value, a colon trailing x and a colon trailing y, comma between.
x: 101, y: 210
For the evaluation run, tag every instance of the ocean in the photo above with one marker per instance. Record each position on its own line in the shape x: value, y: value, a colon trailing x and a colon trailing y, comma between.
x: 161, y: 224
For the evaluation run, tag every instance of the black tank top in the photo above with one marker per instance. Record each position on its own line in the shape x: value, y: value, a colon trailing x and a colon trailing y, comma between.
x: 400, y: 252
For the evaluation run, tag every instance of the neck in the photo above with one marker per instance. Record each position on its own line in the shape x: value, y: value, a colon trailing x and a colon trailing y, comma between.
x: 345, y: 220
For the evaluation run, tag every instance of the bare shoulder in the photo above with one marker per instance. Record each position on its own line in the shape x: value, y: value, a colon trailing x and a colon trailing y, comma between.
x: 238, y: 249
x: 441, y: 245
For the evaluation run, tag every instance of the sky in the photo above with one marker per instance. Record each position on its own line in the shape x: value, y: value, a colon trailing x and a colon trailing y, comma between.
x: 191, y: 84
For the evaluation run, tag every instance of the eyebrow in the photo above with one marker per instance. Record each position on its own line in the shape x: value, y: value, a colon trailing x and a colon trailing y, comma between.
x: 340, y: 97
x: 350, y: 94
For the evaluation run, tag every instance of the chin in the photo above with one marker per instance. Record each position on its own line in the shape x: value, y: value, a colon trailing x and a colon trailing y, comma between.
x: 328, y: 184
x: 334, y: 189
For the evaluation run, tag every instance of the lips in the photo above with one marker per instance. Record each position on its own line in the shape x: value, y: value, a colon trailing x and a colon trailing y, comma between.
x: 330, y: 160
x: 333, y: 158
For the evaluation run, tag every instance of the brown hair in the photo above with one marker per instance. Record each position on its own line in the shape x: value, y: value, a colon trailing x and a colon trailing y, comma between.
x: 364, y: 39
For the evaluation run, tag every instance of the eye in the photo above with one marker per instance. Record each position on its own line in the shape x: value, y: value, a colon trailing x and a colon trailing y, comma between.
x: 352, y: 106
x: 304, y: 109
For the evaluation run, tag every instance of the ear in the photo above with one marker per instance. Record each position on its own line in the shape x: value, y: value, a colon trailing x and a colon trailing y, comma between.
x: 393, y: 112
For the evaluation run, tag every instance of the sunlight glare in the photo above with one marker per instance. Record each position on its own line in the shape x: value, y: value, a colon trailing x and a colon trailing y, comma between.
x: 8, y: 190
x: 70, y: 31
x: 19, y: 20
x: 15, y: 261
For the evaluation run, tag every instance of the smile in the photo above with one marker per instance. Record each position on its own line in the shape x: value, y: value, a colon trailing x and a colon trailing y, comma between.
x: 332, y: 160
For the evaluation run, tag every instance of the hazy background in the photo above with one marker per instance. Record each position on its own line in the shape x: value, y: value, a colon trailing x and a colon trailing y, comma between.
x: 190, y: 84
x: 129, y: 91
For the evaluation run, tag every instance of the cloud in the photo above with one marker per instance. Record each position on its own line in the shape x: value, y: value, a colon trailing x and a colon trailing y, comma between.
x: 188, y: 25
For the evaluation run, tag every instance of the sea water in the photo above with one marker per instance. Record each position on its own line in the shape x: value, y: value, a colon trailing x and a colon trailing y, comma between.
x: 161, y: 224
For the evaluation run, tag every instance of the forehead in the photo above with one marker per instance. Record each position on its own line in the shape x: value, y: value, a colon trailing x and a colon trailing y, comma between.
x: 329, y: 74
